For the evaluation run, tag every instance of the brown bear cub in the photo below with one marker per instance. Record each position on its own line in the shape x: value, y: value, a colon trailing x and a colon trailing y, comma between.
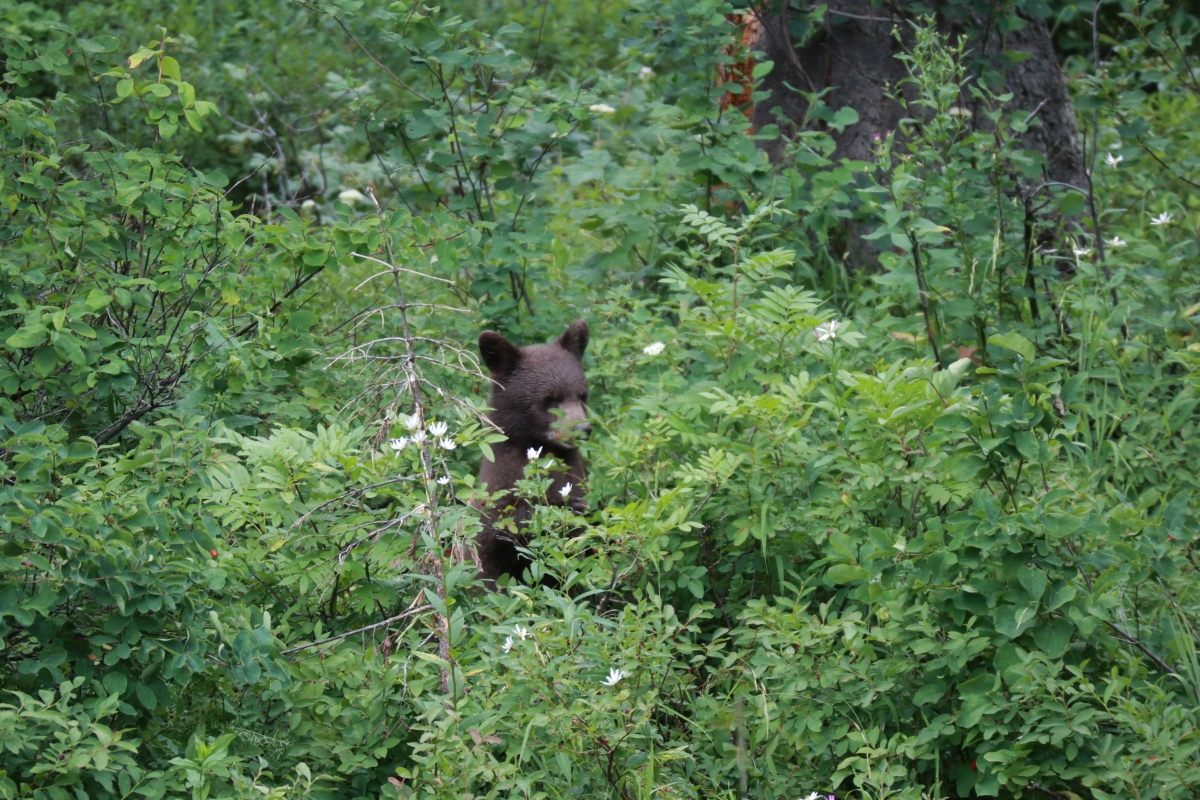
x: 539, y: 401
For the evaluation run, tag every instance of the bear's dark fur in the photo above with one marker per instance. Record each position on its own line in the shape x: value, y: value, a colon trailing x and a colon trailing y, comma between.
x: 539, y: 401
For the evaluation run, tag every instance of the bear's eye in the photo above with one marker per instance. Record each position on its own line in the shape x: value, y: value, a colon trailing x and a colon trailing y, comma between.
x: 550, y: 402
x: 583, y: 397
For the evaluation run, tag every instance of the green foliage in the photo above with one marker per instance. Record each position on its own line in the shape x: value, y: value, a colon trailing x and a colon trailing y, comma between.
x: 917, y: 531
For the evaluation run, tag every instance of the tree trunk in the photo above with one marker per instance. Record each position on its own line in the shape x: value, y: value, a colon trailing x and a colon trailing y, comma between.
x: 854, y: 53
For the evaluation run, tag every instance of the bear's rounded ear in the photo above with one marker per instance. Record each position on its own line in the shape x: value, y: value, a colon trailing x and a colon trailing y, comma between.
x: 500, y: 355
x: 575, y: 339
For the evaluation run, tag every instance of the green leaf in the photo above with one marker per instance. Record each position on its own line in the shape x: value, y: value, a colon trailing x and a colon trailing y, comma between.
x: 315, y: 258
x: 140, y: 56
x: 124, y: 88
x: 431, y: 658
x: 45, y: 361
x: 301, y: 321
x: 68, y: 347
x: 29, y: 336
x: 1055, y: 638
x: 844, y: 573
x: 1033, y: 580
x: 193, y: 119
x: 98, y: 44
x: 97, y: 300
x: 929, y: 693
x: 843, y: 118
x: 187, y: 94
x: 1061, y: 595
x: 979, y: 685
x: 1012, y: 621
x: 1015, y: 342
x: 115, y: 682
x: 973, y: 709
x: 762, y: 69
x: 1027, y: 445
x: 170, y: 68
x: 145, y: 696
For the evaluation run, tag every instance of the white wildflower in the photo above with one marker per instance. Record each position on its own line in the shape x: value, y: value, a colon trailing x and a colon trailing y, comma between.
x: 508, y: 644
x: 351, y: 196
x: 413, y: 422
x: 601, y: 108
x: 1082, y: 252
x: 615, y: 676
x: 1116, y: 242
x: 1161, y: 219
x: 444, y: 480
x: 565, y: 490
x: 522, y: 633
x: 1112, y: 160
x: 813, y: 796
x: 397, y: 444
x: 418, y: 437
x: 654, y: 348
x: 533, y: 452
x: 308, y: 204
x: 447, y: 444
x: 828, y: 331
x: 645, y: 73
x: 958, y: 111
x: 438, y: 429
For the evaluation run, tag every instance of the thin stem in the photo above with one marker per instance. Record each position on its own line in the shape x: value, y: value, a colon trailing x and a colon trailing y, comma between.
x: 924, y: 297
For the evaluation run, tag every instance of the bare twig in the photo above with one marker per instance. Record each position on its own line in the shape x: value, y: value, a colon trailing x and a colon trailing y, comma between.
x: 356, y: 631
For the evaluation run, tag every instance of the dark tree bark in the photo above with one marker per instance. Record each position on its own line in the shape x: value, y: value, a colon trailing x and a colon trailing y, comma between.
x: 855, y: 51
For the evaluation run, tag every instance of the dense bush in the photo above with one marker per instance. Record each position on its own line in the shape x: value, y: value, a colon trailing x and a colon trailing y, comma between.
x: 914, y: 528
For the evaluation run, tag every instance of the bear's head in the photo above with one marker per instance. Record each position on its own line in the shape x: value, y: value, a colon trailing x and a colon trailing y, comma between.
x: 539, y: 393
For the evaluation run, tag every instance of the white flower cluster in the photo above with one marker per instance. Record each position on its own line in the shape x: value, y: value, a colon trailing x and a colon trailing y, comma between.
x: 521, y: 633
x: 417, y: 436
x: 654, y: 348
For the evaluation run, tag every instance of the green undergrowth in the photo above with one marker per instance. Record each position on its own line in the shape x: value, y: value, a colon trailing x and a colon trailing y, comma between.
x: 912, y: 523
